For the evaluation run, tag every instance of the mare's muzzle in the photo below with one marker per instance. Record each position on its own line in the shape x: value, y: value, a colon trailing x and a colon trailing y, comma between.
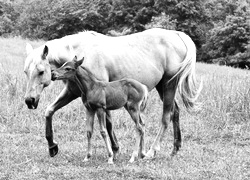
x: 32, y: 103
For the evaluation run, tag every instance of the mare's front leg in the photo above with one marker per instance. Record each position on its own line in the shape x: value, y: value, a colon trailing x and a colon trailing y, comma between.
x: 142, y: 153
x: 102, y: 121
x: 89, y: 126
x: 176, y: 127
x: 63, y: 99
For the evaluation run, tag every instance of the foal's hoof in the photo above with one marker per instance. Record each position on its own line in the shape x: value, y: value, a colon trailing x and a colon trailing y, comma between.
x: 110, y: 160
x: 115, y: 155
x: 142, y: 155
x: 53, y: 150
x: 173, y: 153
x: 175, y: 150
x: 150, y: 155
x: 133, y: 159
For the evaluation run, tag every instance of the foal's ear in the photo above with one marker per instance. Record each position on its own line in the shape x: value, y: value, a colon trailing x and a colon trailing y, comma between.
x: 75, y: 59
x: 45, y: 52
x: 29, y: 48
x: 79, y: 62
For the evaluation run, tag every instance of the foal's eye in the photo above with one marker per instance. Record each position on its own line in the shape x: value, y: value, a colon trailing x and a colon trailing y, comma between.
x: 68, y: 69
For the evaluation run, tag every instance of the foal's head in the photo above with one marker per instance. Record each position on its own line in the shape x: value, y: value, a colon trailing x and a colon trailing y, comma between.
x: 67, y: 71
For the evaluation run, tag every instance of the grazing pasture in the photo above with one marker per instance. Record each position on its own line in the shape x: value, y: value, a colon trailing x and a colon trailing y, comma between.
x: 216, y: 139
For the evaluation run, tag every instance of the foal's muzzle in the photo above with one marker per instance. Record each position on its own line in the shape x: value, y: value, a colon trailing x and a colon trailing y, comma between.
x: 53, y: 76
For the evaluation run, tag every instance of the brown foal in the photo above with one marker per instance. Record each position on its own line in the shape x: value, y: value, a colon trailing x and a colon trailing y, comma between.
x: 99, y: 96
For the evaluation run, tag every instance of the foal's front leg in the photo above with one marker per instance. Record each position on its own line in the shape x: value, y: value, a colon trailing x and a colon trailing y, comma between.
x: 102, y: 121
x: 89, y: 127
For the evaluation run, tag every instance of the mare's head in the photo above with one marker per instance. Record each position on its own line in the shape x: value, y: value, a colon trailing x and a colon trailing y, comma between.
x: 38, y: 72
x: 39, y: 64
x: 67, y: 71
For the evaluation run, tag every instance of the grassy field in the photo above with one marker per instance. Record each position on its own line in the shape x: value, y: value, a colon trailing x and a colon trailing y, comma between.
x: 216, y: 140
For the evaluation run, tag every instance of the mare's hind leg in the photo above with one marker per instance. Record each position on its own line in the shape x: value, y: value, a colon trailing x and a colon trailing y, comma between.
x: 176, y: 128
x: 175, y: 121
x: 168, y: 100
x: 63, y: 99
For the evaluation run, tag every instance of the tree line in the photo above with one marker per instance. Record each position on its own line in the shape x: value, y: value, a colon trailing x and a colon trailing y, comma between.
x: 219, y: 28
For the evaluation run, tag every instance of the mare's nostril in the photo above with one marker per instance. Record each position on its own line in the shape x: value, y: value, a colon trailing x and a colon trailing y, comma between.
x: 30, y: 102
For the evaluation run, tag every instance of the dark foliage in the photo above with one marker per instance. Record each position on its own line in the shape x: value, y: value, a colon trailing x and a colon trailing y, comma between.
x: 220, y: 29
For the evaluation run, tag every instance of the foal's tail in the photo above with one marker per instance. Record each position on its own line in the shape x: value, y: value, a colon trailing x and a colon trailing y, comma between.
x: 186, y: 78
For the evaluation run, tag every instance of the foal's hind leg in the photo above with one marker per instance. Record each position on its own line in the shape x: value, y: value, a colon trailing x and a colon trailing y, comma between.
x: 102, y: 118
x: 111, y: 133
x: 168, y: 99
x: 140, y: 131
x: 89, y: 126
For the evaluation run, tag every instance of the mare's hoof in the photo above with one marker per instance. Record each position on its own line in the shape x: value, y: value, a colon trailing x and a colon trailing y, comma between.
x: 87, y: 158
x: 53, y: 150
x: 110, y: 162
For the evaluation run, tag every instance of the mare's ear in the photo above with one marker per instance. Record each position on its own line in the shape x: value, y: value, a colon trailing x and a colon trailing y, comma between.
x: 29, y: 48
x: 79, y: 62
x: 45, y: 52
x: 70, y: 47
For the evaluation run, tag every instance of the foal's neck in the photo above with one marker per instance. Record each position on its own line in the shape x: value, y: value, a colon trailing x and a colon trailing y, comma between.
x: 85, y: 80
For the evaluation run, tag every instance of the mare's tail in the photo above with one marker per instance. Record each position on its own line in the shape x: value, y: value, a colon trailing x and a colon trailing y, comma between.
x: 188, y: 87
x: 145, y: 99
x: 143, y: 105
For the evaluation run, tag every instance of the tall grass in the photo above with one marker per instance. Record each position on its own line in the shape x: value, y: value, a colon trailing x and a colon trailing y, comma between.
x: 216, y: 140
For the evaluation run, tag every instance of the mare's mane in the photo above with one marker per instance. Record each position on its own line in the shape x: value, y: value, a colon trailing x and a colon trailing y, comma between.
x: 67, y: 41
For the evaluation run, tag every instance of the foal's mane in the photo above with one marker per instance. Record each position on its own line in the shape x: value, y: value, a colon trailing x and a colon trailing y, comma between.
x: 90, y: 74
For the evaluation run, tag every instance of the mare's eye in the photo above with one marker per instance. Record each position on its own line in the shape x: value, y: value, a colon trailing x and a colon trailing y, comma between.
x: 41, y: 73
